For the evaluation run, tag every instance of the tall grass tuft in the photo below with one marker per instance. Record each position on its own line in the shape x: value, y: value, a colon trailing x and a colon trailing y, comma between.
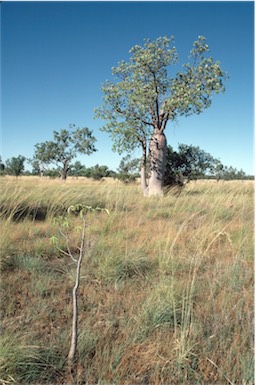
x: 29, y: 364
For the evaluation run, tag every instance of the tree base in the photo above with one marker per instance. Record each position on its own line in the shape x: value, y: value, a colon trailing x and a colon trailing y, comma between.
x: 155, y: 193
x: 155, y: 186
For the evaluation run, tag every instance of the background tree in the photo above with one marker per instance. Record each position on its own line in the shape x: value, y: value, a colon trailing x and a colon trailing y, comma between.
x: 65, y: 147
x: 98, y: 172
x: 38, y: 167
x: 186, y: 164
x: 128, y: 169
x: 191, y: 163
x: 2, y: 166
x: 231, y: 173
x: 143, y: 98
x: 15, y: 165
x: 52, y: 173
x: 219, y: 167
x: 77, y: 169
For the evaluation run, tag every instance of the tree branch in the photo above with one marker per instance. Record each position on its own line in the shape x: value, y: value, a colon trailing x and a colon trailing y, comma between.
x: 165, y: 116
x: 143, y: 121
x: 156, y: 100
x: 69, y: 254
x: 164, y: 122
x: 134, y: 117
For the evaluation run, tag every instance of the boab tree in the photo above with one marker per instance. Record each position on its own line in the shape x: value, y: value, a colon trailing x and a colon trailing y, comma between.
x: 143, y: 97
x: 65, y: 147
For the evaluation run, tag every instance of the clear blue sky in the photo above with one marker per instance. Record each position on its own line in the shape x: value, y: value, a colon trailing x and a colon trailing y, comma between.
x: 55, y: 55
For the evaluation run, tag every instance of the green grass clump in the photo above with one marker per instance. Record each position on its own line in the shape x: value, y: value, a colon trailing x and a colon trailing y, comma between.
x: 28, y: 364
x: 162, y: 308
x: 25, y: 262
x: 118, y: 267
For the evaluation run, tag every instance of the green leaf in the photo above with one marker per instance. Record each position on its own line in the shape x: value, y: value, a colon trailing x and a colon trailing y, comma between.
x: 54, y: 240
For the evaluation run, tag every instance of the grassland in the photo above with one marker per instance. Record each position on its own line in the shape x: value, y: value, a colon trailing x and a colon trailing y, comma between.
x: 166, y: 293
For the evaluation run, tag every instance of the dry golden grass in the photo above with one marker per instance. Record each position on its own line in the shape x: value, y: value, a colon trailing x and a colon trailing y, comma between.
x: 166, y: 295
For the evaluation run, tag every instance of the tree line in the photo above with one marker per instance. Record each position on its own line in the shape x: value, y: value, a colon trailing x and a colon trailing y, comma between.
x: 186, y: 164
x: 137, y: 105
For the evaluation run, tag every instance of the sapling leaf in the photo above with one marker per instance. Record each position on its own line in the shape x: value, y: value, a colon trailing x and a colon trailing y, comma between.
x: 54, y: 240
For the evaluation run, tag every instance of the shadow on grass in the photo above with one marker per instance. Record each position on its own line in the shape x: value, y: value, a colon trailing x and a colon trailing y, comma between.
x: 33, y: 213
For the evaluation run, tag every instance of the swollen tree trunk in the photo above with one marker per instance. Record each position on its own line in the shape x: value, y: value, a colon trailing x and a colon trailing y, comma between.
x: 157, y: 159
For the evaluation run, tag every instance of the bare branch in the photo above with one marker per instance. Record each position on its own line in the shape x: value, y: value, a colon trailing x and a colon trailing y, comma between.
x: 67, y: 254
